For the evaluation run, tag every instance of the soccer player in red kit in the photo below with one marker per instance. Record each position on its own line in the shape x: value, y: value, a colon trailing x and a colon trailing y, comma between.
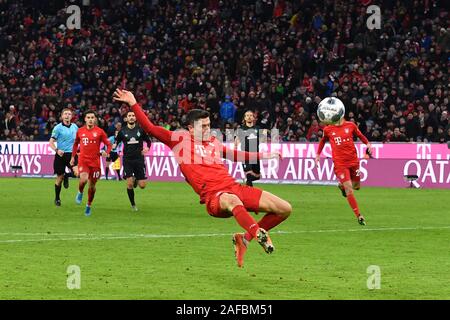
x: 199, y: 156
x: 89, y: 139
x: 345, y: 159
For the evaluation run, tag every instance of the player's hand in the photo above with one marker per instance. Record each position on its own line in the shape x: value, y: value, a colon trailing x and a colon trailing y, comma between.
x: 72, y: 161
x: 368, y: 155
x: 273, y: 155
x: 369, y: 149
x: 144, y: 151
x: 124, y: 96
x: 317, y: 160
x: 104, y: 154
x: 60, y: 153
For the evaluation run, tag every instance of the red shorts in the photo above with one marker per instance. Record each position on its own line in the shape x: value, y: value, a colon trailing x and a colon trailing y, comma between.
x: 348, y: 174
x: 93, y: 169
x: 249, y: 196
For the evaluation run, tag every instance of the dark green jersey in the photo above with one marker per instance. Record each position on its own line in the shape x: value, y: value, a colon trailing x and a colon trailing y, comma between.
x: 249, y: 138
x: 133, y: 141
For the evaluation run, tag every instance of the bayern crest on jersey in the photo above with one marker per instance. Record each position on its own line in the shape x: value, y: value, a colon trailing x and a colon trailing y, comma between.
x: 95, y: 134
x: 346, y: 130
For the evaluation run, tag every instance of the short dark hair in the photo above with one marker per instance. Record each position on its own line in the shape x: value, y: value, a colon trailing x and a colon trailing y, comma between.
x: 195, y: 115
x: 89, y: 112
x: 126, y: 114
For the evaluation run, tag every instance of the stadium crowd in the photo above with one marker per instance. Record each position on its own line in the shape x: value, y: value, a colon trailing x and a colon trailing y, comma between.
x: 278, y: 58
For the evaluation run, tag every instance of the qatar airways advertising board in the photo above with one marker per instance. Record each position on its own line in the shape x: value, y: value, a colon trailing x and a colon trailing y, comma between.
x: 390, y: 163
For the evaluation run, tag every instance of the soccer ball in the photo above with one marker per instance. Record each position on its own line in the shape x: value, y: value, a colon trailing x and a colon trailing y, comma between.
x: 331, y: 110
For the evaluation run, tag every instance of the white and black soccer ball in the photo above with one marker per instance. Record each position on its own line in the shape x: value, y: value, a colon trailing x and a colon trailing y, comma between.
x: 330, y: 110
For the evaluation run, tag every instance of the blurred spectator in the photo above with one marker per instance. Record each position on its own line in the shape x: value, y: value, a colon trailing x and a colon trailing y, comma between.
x: 430, y: 136
x: 313, y: 131
x: 398, y: 136
x: 412, y: 127
x: 279, y: 58
x: 227, y: 111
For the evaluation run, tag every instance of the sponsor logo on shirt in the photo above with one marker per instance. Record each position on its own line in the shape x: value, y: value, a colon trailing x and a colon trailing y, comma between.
x: 133, y: 141
x: 338, y: 140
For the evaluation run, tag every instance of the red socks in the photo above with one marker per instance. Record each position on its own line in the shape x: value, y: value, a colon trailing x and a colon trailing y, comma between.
x: 91, y: 194
x: 245, y: 220
x: 269, y: 221
x: 353, y: 204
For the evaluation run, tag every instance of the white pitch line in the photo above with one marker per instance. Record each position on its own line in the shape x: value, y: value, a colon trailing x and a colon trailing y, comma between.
x: 118, y: 237
x: 72, y: 237
x: 363, y: 229
x: 43, y: 234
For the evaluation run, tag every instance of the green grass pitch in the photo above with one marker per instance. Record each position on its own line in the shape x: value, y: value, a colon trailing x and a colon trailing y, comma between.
x: 172, y: 249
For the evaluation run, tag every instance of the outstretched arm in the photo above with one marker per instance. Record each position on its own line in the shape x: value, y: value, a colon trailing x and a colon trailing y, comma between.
x: 360, y: 135
x: 321, y: 145
x: 244, y: 156
x: 364, y: 140
x: 240, y: 156
x: 75, y: 149
x: 147, y: 140
x: 107, y: 143
x: 159, y: 133
x: 118, y: 139
x: 53, y: 139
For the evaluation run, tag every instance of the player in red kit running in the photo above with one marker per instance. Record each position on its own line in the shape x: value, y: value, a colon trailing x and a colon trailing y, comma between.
x: 89, y: 138
x: 345, y: 159
x: 199, y: 156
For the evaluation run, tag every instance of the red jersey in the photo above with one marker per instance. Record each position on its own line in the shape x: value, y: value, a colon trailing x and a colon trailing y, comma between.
x: 89, y: 141
x: 342, y: 145
x: 200, y: 162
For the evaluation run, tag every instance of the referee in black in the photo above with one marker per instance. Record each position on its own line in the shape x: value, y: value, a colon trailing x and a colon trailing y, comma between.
x: 248, y: 136
x: 133, y: 138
